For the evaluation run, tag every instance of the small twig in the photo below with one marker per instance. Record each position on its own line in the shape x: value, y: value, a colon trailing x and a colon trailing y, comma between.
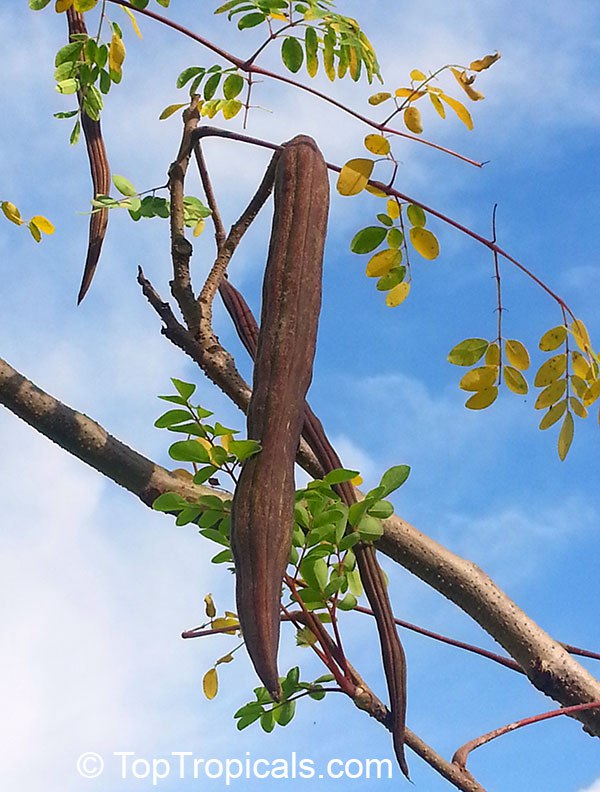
x: 239, y: 228
x: 576, y: 650
x: 505, y: 661
x: 498, y: 290
x: 211, y: 198
x: 461, y: 755
x: 335, y: 659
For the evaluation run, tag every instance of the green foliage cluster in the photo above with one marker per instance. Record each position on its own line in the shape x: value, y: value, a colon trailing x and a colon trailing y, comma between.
x: 322, y: 561
x: 148, y: 206
x: 337, y: 39
x: 269, y: 713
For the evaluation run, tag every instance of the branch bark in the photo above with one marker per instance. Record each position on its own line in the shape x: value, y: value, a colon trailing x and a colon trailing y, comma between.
x: 90, y: 442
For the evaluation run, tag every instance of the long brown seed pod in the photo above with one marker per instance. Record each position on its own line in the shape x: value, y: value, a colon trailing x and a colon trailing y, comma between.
x: 394, y: 661
x: 263, y: 502
x: 100, y: 171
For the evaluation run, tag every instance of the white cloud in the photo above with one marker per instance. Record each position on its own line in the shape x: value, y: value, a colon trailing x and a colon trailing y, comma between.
x: 595, y: 787
x: 514, y: 543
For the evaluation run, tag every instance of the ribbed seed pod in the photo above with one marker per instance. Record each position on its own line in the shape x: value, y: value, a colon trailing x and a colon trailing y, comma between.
x: 263, y: 502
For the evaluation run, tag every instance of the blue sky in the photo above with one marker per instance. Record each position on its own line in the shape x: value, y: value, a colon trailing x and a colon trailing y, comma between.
x: 96, y: 589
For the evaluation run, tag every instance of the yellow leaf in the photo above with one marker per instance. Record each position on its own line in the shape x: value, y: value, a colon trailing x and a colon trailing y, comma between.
x: 393, y: 208
x: 551, y: 394
x: 466, y: 83
x: 412, y: 120
x: 482, y: 399
x: 581, y: 365
x: 553, y: 338
x: 84, y: 5
x: 578, y: 407
x: 565, y: 438
x: 11, y: 213
x: 134, y: 23
x: 479, y: 379
x: 517, y: 354
x: 222, y: 623
x: 378, y: 98
x: 417, y: 74
x: 356, y: 481
x: 204, y: 443
x: 579, y: 385
x: 397, y: 295
x: 375, y: 191
x: 170, y: 109
x: 210, y: 683
x: 354, y: 176
x: 439, y: 107
x: 551, y: 370
x: 409, y: 92
x: 492, y: 355
x: 515, y: 381
x: 116, y: 53
x: 34, y: 231
x: 280, y: 17
x: 199, y: 227
x: 381, y: 263
x: 209, y: 606
x: 43, y: 224
x: 554, y: 414
x: 225, y: 440
x: 377, y: 144
x: 484, y: 63
x: 231, y: 107
x: 581, y: 335
x: 228, y: 658
x: 425, y: 243
x: 182, y: 473
x: 62, y: 5
x: 354, y: 63
x: 459, y: 108
x: 592, y: 393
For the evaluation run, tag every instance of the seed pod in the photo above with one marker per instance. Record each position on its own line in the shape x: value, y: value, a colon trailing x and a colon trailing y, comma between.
x: 263, y: 503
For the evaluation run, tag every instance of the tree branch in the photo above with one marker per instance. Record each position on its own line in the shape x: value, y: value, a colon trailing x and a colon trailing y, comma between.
x: 90, y: 442
x: 546, y: 662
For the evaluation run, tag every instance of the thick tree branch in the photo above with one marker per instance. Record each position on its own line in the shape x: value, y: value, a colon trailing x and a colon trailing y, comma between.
x: 90, y: 442
x: 546, y: 662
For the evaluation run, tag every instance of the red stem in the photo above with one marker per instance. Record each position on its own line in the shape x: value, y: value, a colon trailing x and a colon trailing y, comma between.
x: 505, y: 661
x: 461, y: 755
x: 488, y: 243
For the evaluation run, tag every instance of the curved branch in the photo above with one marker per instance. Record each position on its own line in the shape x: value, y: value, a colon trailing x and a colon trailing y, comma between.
x: 462, y: 753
